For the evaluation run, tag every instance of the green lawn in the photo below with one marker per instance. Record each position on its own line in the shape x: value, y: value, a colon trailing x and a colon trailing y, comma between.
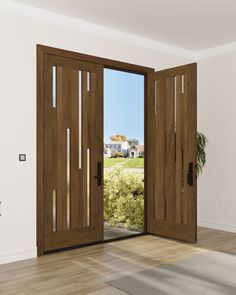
x: 110, y: 162
x: 134, y: 163
x: 130, y: 163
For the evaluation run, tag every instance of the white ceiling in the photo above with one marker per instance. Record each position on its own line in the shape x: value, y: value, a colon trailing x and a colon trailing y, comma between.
x: 189, y: 24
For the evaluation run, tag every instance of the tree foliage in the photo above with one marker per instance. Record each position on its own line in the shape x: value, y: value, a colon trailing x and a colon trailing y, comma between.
x: 133, y: 141
x: 118, y: 137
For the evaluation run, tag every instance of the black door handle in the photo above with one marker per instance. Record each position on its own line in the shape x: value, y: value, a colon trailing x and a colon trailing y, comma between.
x: 99, y: 175
x: 190, y: 174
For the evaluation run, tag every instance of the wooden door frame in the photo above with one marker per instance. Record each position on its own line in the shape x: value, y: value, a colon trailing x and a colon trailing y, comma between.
x: 106, y: 63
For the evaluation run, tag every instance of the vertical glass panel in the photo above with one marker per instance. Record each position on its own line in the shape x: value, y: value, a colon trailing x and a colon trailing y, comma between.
x: 182, y: 191
x: 182, y: 84
x: 88, y: 81
x: 54, y: 210
x: 88, y: 186
x: 155, y: 93
x: 80, y: 119
x: 54, y: 86
x: 154, y: 200
x: 68, y: 176
x: 175, y: 100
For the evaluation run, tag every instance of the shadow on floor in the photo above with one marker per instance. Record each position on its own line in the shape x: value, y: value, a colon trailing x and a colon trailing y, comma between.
x: 118, y: 232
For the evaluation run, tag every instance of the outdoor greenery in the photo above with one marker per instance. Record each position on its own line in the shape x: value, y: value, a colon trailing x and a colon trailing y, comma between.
x: 118, y: 155
x: 201, y: 154
x: 123, y: 199
x: 128, y: 163
x: 134, y: 163
x: 118, y: 137
x: 123, y: 191
x: 133, y: 142
x: 110, y: 162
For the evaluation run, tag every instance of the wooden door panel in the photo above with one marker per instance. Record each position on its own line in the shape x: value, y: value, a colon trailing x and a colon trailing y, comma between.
x: 76, y: 180
x: 169, y: 146
x: 73, y: 140
x: 160, y: 152
x: 171, y: 136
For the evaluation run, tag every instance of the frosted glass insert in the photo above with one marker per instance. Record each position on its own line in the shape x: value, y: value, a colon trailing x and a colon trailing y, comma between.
x: 68, y: 177
x: 182, y: 84
x: 175, y: 98
x: 54, y: 210
x: 54, y: 86
x: 80, y: 119
x: 88, y: 186
x: 88, y: 81
x: 155, y: 93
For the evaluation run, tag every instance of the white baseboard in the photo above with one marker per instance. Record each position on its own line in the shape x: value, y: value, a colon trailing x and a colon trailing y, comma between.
x: 17, y: 256
x: 217, y: 225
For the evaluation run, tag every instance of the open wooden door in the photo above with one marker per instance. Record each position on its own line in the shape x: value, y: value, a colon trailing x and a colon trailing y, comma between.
x: 72, y: 152
x: 171, y: 153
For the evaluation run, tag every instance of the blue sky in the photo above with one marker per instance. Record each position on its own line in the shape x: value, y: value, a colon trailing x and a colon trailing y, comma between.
x: 123, y: 104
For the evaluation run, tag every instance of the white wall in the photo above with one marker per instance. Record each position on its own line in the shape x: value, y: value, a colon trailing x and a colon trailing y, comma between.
x: 19, y: 36
x: 217, y: 119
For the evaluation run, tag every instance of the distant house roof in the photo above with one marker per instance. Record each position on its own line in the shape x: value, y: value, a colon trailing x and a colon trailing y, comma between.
x: 134, y: 148
x: 141, y: 148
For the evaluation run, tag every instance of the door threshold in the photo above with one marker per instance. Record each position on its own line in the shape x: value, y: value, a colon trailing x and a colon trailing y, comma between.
x: 94, y: 243
x: 125, y: 237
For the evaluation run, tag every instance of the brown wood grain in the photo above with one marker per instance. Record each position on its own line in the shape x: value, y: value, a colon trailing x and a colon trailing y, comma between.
x: 85, y: 144
x: 160, y: 150
x: 192, y: 123
x: 170, y: 150
x: 40, y: 172
x: 56, y: 121
x: 70, y: 62
x: 174, y: 200
x: 179, y: 153
x: 96, y: 120
x: 49, y: 155
x: 75, y: 173
x: 150, y: 152
x: 60, y: 149
x: 176, y: 71
x: 108, y: 63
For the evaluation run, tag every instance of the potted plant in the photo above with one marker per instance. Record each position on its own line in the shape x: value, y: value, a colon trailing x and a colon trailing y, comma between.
x: 201, y: 153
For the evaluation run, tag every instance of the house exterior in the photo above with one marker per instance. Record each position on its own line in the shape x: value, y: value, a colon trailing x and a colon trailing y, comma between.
x: 112, y: 147
x: 136, y: 151
x: 133, y: 152
x: 107, y: 153
x: 141, y: 150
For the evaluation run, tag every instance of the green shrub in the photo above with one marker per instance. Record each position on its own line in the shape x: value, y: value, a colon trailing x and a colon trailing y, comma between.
x: 118, y: 155
x: 123, y: 199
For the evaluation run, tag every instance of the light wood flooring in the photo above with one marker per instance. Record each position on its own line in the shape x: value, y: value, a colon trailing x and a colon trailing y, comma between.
x: 85, y: 270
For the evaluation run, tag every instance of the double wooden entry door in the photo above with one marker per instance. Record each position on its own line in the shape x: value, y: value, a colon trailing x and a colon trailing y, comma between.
x: 70, y: 149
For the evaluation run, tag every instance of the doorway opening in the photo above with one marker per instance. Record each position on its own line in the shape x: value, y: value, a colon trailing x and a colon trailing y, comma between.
x: 71, y: 150
x: 124, y: 154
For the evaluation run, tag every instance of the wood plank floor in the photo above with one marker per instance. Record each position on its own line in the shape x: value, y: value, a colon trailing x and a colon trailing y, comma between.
x: 85, y: 270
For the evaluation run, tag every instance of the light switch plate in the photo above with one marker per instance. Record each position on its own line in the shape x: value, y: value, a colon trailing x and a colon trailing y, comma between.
x: 22, y: 157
